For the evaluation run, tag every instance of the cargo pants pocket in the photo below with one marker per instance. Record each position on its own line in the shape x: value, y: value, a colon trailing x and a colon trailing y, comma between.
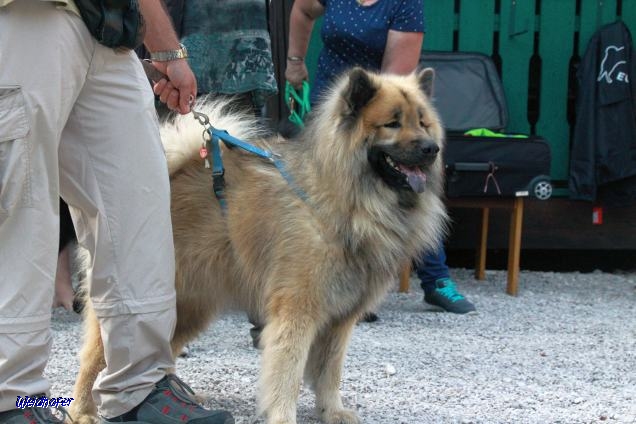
x: 15, y: 167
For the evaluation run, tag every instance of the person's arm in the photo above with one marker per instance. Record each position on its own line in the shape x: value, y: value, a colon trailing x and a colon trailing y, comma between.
x: 301, y: 22
x: 402, y: 52
x: 181, y: 89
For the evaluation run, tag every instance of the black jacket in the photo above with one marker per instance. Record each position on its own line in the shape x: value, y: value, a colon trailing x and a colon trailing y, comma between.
x: 604, y: 144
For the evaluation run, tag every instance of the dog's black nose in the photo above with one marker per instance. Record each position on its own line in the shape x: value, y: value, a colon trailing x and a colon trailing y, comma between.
x: 429, y: 148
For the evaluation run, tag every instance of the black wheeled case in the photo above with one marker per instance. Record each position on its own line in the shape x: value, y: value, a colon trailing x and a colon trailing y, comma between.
x: 468, y: 94
x: 497, y: 166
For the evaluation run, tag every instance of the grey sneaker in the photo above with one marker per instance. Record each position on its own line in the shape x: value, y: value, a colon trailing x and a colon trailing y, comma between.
x: 36, y: 414
x: 446, y: 296
x: 171, y: 402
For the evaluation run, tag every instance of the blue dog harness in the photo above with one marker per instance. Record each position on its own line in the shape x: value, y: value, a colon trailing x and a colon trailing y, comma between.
x: 212, y: 138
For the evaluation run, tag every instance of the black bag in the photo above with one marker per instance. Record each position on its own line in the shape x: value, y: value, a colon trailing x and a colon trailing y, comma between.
x: 468, y: 94
x: 497, y: 166
x: 113, y: 23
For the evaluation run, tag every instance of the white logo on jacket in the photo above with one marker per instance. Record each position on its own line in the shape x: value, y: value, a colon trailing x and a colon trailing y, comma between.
x: 608, y: 69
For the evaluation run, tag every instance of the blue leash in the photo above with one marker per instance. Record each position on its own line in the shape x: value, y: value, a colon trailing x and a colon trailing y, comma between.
x: 215, y: 136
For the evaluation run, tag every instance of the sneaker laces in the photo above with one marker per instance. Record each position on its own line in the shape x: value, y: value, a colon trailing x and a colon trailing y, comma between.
x: 449, y: 290
x: 180, y: 389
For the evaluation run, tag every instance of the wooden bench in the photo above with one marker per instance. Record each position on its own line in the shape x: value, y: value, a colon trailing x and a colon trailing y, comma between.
x: 514, y: 244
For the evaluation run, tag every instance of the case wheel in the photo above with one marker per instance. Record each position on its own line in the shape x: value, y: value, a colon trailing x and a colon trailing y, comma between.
x: 542, y: 188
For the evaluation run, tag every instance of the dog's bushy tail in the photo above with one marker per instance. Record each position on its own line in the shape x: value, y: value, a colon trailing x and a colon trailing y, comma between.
x: 182, y: 136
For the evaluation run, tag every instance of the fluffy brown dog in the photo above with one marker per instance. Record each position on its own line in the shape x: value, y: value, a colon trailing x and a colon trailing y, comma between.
x: 305, y: 268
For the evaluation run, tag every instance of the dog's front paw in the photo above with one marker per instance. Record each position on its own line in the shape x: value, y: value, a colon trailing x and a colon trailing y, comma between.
x: 81, y: 413
x: 341, y: 416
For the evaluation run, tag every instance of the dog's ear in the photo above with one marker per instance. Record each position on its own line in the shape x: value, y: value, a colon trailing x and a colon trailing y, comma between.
x: 426, y: 77
x: 359, y: 91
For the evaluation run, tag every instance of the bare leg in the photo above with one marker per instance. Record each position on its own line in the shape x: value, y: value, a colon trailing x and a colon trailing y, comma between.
x: 63, y: 288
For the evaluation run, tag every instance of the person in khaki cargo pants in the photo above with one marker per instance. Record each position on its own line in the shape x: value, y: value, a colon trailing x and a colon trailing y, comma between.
x: 77, y: 119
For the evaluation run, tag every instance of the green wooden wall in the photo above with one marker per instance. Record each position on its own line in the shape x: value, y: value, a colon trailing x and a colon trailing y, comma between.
x: 518, y: 33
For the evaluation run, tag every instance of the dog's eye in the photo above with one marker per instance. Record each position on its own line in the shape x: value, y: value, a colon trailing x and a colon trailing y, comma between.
x: 425, y: 124
x: 392, y: 124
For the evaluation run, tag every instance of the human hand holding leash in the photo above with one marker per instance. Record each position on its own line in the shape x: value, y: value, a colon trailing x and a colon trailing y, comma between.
x: 159, y: 80
x: 168, y: 57
x: 296, y: 72
x: 178, y: 87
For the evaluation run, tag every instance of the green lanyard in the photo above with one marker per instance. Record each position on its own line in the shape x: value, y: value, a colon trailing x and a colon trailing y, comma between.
x: 297, y: 103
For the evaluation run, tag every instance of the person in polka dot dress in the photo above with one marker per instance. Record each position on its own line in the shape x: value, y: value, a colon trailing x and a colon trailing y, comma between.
x: 379, y: 35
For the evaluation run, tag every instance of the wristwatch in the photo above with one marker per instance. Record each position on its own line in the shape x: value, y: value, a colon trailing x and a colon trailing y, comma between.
x: 168, y: 55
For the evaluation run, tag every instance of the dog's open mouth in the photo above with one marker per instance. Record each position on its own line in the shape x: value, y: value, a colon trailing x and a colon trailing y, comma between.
x: 413, y: 176
x: 400, y: 169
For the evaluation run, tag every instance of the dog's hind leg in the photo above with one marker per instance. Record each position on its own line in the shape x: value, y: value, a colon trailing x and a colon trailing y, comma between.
x: 324, y: 370
x: 286, y: 340
x: 83, y: 410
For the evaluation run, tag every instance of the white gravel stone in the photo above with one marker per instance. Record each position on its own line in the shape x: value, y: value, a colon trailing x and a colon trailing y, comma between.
x: 390, y: 370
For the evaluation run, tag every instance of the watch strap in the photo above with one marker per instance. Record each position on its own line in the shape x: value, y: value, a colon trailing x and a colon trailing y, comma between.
x: 168, y: 55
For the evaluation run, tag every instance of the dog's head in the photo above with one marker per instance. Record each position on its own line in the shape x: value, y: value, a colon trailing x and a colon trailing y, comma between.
x: 391, y: 119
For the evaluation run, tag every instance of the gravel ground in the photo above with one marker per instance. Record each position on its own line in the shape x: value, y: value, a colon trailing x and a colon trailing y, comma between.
x: 563, y: 351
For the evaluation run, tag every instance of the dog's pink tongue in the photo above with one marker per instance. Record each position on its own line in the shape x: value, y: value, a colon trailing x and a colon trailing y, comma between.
x: 415, y: 177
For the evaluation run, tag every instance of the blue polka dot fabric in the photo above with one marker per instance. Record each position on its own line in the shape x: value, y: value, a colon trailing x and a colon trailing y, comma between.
x: 355, y: 35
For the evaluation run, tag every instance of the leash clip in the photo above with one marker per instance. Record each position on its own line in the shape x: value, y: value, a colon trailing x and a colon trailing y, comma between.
x: 202, y: 118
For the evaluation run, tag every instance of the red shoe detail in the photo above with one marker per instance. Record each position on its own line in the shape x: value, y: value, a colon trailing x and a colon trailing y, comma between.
x: 184, y: 418
x: 165, y: 410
